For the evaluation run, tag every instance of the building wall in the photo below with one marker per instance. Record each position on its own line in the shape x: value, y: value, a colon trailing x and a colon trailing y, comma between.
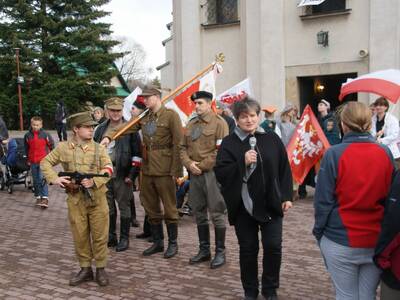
x: 348, y: 34
x: 225, y: 39
x: 274, y: 46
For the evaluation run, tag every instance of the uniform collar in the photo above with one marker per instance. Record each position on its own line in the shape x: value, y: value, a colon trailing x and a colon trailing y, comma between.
x: 159, y: 112
x: 206, y: 117
x: 73, y: 143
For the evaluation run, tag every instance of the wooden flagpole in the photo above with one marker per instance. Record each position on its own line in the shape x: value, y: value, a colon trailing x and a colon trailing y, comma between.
x: 220, y: 58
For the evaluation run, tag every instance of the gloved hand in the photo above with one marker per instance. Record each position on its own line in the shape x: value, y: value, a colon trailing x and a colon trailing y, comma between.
x: 72, y: 188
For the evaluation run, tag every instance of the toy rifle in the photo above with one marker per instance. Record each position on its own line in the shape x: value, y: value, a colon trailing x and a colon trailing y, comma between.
x: 77, y: 177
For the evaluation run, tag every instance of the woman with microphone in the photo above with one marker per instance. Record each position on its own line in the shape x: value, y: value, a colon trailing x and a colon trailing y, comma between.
x: 256, y: 183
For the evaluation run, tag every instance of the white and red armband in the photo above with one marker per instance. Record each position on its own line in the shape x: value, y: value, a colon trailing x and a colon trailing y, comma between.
x: 218, y: 143
x: 109, y: 169
x: 136, y: 161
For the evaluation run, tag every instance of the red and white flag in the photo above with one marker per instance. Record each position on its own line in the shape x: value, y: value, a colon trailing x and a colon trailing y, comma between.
x: 236, y: 93
x: 182, y: 103
x: 306, y: 146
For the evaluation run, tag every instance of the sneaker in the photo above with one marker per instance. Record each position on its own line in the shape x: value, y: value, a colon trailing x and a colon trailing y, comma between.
x: 45, y: 202
x: 38, y: 201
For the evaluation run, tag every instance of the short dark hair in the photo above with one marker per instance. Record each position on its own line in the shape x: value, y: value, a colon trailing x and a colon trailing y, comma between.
x: 382, y: 102
x: 244, y: 106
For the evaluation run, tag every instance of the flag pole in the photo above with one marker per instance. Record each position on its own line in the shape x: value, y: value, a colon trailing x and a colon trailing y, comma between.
x: 220, y: 58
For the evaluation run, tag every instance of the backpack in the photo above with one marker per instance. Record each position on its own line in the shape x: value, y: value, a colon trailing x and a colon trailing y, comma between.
x: 21, y: 158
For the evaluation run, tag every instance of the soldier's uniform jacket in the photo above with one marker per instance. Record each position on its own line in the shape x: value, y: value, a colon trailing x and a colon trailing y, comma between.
x: 201, y: 140
x: 162, y: 134
x: 82, y: 158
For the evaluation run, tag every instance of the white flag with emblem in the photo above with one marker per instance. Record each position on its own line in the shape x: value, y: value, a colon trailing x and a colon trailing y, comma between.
x: 310, y: 2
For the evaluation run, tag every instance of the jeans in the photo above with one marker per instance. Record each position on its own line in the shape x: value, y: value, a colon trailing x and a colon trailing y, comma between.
x: 247, y: 231
x: 352, y: 270
x: 39, y: 183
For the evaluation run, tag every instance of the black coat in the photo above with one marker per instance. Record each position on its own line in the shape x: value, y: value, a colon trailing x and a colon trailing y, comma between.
x: 126, y: 148
x: 269, y: 185
x: 3, y: 130
x: 387, y: 251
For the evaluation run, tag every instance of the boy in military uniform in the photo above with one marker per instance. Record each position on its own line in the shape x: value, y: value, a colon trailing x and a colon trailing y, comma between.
x: 88, y: 215
x: 162, y: 133
x: 204, y: 133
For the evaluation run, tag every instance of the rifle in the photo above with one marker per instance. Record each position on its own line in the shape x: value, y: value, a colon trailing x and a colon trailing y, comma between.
x: 78, y: 177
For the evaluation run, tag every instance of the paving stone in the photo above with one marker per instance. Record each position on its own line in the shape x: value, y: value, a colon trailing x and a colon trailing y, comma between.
x: 37, y: 258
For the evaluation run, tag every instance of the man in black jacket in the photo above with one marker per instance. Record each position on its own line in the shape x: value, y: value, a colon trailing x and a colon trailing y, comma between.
x: 126, y: 158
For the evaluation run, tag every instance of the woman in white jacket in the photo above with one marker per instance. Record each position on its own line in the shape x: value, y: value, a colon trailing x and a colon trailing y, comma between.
x: 385, y: 126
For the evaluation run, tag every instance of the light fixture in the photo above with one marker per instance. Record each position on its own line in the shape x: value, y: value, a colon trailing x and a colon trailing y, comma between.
x: 323, y: 38
x: 320, y: 87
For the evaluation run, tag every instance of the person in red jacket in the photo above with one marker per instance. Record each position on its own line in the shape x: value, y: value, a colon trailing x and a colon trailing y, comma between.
x: 38, y: 143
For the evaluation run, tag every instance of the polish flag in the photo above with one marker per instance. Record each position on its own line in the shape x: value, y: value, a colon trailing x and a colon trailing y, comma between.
x: 182, y: 103
x: 307, y: 145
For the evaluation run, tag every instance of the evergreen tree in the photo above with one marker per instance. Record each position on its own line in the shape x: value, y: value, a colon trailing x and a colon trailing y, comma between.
x: 63, y: 56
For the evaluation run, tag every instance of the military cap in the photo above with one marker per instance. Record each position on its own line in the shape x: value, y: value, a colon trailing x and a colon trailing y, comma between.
x: 201, y: 95
x: 81, y: 119
x: 139, y: 103
x: 115, y: 103
x: 150, y: 90
x: 269, y: 109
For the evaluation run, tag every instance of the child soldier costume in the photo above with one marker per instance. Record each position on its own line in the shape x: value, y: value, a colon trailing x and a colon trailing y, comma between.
x: 87, y: 206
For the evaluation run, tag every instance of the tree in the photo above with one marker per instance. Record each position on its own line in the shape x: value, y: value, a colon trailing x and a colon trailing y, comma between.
x: 63, y: 55
x: 131, y: 64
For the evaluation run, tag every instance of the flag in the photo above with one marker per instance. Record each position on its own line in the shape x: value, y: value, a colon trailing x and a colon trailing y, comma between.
x: 182, y: 103
x: 307, y: 145
x: 310, y: 2
x: 236, y: 93
x: 128, y: 101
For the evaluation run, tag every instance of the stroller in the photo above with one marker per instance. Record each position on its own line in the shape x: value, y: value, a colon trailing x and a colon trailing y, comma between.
x: 16, y: 169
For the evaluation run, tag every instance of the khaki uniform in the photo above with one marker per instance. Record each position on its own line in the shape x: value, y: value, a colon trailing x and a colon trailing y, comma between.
x: 162, y: 133
x: 200, y: 144
x: 89, y: 220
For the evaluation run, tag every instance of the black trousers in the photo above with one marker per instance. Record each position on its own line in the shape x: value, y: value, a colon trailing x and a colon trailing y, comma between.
x: 247, y: 231
x: 61, y: 131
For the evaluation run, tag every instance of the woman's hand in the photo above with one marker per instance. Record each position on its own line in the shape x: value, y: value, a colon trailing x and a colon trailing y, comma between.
x: 250, y: 157
x: 286, y: 206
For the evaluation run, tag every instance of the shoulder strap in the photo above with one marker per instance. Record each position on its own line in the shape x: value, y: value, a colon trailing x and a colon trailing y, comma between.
x: 96, y: 156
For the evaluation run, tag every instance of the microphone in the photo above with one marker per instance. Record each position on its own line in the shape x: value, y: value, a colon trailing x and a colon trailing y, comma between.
x: 253, y: 143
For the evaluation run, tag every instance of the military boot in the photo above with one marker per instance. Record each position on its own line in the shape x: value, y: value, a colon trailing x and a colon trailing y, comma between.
x: 101, y: 277
x: 146, y: 229
x: 172, y: 249
x: 204, y: 249
x: 158, y: 240
x: 124, y: 236
x: 219, y: 258
x: 112, y: 236
x: 85, y: 274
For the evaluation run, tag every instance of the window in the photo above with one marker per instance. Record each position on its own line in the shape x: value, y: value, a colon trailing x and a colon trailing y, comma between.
x: 222, y: 12
x: 329, y: 6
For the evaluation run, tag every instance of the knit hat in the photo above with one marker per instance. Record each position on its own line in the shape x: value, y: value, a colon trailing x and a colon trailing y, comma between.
x: 328, y: 105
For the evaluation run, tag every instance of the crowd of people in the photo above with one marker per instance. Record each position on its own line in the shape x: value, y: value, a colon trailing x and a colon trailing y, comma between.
x: 238, y: 169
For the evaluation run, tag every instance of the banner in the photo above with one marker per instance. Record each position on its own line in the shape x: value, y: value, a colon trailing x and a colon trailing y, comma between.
x: 182, y: 103
x: 307, y: 145
x: 128, y: 101
x: 310, y: 2
x: 236, y: 93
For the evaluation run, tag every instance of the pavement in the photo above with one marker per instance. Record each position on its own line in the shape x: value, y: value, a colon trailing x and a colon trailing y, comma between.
x: 37, y: 259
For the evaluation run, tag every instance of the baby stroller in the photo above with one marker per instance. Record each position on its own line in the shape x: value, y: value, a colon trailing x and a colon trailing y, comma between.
x: 17, y: 170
